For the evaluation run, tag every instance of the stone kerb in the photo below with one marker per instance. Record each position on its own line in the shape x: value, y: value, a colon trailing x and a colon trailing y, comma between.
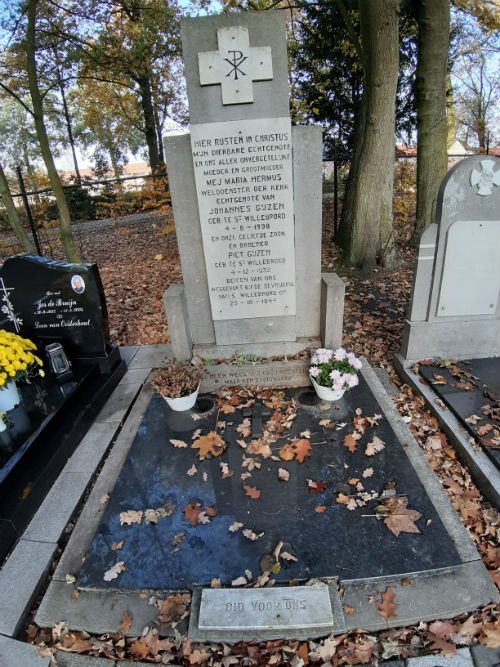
x: 246, y: 197
x: 455, y: 310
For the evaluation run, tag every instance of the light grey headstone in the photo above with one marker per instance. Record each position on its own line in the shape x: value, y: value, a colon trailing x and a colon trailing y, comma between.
x: 455, y: 308
x: 291, y: 607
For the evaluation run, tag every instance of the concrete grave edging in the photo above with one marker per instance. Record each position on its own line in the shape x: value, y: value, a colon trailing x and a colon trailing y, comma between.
x: 482, y: 470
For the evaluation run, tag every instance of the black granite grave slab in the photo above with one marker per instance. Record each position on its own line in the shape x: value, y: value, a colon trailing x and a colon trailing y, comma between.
x: 336, y: 542
x: 43, y: 433
x: 466, y: 396
x: 49, y: 301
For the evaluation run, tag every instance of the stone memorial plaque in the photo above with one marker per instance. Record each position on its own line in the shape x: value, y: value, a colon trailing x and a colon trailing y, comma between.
x: 273, y: 374
x: 243, y: 174
x: 291, y: 607
x: 471, y: 279
x: 51, y: 301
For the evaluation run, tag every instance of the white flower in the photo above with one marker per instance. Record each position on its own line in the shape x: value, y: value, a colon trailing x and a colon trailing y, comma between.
x: 314, y: 371
x: 351, y: 379
x: 340, y: 354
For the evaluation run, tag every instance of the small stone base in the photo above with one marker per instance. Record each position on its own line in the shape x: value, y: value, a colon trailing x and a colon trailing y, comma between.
x: 282, y: 349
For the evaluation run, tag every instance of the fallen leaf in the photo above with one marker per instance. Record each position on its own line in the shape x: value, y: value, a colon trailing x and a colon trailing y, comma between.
x: 114, y: 571
x: 288, y: 557
x: 348, y: 610
x: 251, y: 491
x: 445, y: 648
x: 283, y: 475
x: 211, y: 511
x: 387, y: 606
x: 173, y: 608
x: 179, y: 443
x: 210, y: 444
x: 125, y: 623
x: 401, y: 519
x: 298, y: 449
x: 192, y: 470
x: 239, y: 581
x: 225, y: 470
x: 70, y: 579
x: 235, y: 526
x: 376, y: 445
x: 249, y: 534
x: 191, y: 513
x: 130, y: 516
x: 316, y: 487
x: 351, y: 441
x: 368, y: 472
x: 215, y: 583
x: 320, y: 508
x: 118, y: 545
x: 177, y: 539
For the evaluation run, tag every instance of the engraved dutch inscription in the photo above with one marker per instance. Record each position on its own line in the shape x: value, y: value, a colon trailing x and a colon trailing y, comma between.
x: 253, y: 609
x: 243, y: 174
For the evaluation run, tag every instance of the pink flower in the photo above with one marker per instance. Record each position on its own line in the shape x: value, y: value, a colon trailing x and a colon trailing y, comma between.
x: 351, y: 379
x: 314, y: 371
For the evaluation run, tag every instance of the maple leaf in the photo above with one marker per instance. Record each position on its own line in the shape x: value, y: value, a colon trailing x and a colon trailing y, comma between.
x: 174, y: 607
x: 114, y: 571
x: 235, y: 526
x: 376, y: 445
x: 191, y: 513
x: 210, y: 444
x: 283, y: 475
x: 245, y: 428
x: 130, y: 516
x: 387, y: 606
x: 298, y: 449
x: 125, y: 623
x: 251, y: 491
x: 316, y: 487
x: 351, y: 441
x: 401, y: 519
x: 179, y: 443
x: 320, y: 508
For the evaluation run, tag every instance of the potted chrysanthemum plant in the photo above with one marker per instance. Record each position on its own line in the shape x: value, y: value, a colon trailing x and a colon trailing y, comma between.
x: 333, y: 372
x: 18, y: 361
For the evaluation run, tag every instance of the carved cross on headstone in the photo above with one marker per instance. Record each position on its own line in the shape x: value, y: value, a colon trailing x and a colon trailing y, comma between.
x: 256, y: 413
x: 235, y: 65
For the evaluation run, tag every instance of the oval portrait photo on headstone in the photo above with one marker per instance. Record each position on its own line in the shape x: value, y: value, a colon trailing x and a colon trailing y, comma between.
x: 78, y: 284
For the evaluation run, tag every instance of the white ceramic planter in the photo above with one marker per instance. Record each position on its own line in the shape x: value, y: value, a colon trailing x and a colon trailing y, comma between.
x: 9, y: 396
x: 183, y: 402
x: 327, y: 393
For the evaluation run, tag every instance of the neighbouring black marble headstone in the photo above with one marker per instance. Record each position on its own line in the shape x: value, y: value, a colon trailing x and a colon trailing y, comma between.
x: 49, y: 301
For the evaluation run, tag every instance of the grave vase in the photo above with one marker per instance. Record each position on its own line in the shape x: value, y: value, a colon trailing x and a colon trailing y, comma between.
x: 327, y: 393
x: 9, y: 396
x: 183, y: 402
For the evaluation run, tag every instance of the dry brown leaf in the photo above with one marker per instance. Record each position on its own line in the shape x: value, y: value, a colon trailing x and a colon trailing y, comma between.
x: 283, y: 475
x: 387, y: 606
x: 376, y: 445
x: 316, y: 487
x: 191, y: 513
x: 251, y: 491
x: 298, y: 449
x: 174, y: 607
x: 130, y: 516
x: 210, y: 444
x: 118, y: 545
x: 125, y: 623
x: 179, y: 443
x: 235, y: 526
x: 177, y: 539
x: 351, y: 441
x: 320, y: 508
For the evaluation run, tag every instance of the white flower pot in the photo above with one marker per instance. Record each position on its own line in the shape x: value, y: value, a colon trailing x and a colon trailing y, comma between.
x: 183, y: 402
x: 9, y: 396
x: 327, y: 393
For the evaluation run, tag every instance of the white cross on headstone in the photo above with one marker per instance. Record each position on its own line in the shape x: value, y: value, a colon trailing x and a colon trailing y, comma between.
x: 235, y: 65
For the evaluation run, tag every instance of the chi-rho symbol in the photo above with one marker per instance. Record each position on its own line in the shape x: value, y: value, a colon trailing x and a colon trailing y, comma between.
x: 235, y: 65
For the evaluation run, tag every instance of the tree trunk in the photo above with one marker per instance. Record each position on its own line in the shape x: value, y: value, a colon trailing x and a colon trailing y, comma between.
x: 29, y: 170
x: 366, y: 222
x: 36, y: 99
x: 450, y: 112
x: 432, y: 127
x: 15, y: 223
x: 149, y: 124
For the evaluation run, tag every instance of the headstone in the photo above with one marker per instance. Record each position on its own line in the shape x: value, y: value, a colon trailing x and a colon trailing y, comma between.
x: 455, y: 310
x: 48, y: 301
x: 246, y: 196
x: 290, y: 608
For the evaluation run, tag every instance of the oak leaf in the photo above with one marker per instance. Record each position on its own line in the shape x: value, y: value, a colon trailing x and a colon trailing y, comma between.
x: 351, y: 441
x: 316, y: 487
x: 130, y: 516
x: 114, y: 571
x: 125, y: 623
x: 376, y: 445
x: 235, y: 526
x: 191, y: 513
x: 387, y: 606
x: 210, y: 444
x: 250, y: 535
x: 174, y: 608
x: 251, y: 491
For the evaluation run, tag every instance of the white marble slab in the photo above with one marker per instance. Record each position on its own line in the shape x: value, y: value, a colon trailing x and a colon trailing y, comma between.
x: 287, y: 607
x: 243, y: 174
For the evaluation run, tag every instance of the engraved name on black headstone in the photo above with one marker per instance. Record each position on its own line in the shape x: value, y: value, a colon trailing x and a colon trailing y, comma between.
x: 49, y: 301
